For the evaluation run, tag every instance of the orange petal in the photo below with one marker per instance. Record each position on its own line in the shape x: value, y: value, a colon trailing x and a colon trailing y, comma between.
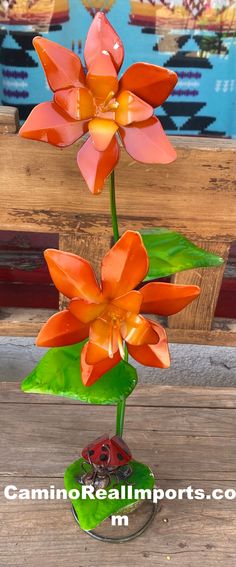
x: 91, y: 373
x: 146, y: 142
x: 166, y: 298
x: 150, y: 82
x: 96, y: 166
x: 132, y: 109
x: 102, y: 132
x: 102, y: 37
x: 62, y: 67
x: 102, y: 77
x: 86, y: 311
x: 103, y: 341
x: 124, y: 266
x: 156, y: 355
x: 78, y: 103
x: 72, y: 275
x: 62, y: 329
x: 131, y: 301
x: 136, y: 330
x: 48, y: 123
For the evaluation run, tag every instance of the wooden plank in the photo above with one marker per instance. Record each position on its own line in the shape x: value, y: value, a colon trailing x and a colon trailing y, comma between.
x: 150, y: 395
x: 24, y: 322
x: 31, y: 199
x: 213, y: 422
x: 194, y: 457
x: 42, y: 441
x: 199, y: 314
x: 9, y: 120
x: 184, y: 533
x: 184, y: 446
x: 224, y: 324
x: 198, y: 337
x: 46, y: 209
x: 196, y: 316
x: 88, y: 246
x: 17, y: 321
x: 188, y: 538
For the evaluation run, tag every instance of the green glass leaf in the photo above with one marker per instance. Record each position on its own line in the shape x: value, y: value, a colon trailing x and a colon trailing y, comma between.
x: 91, y: 513
x: 58, y: 373
x: 170, y: 252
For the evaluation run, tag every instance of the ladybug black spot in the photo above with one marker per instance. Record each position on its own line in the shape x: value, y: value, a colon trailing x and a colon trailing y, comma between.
x: 104, y: 448
x: 103, y: 457
x: 91, y: 452
x: 120, y: 457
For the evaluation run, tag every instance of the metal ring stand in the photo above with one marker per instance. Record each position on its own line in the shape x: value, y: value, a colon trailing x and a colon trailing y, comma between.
x: 92, y: 533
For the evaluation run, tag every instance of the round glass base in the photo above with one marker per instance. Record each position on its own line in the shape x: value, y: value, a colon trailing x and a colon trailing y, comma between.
x: 133, y: 523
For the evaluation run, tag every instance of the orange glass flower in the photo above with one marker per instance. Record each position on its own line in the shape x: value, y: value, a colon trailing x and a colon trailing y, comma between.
x: 98, y: 103
x: 109, y: 313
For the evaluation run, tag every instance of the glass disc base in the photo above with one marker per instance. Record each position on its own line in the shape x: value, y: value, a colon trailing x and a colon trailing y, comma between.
x: 139, y: 519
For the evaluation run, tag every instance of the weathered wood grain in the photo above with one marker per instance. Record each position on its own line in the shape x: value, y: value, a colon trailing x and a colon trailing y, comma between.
x: 195, y: 194
x: 192, y: 445
x: 198, y: 337
x: 149, y: 395
x: 199, y: 314
x: 27, y: 322
x: 44, y: 533
x: 184, y: 533
x: 9, y: 120
x: 171, y: 420
x: 175, y: 442
x: 89, y: 246
x: 17, y: 321
x: 202, y: 206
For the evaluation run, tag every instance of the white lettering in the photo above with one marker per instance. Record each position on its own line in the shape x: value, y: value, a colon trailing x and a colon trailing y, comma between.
x: 171, y: 494
x: 199, y: 494
x: 119, y: 521
x: 158, y: 494
x: 39, y: 494
x: 24, y: 494
x: 230, y: 494
x: 114, y: 494
x: 74, y: 493
x: 142, y: 493
x: 61, y: 493
x: 7, y: 490
x: 87, y: 491
x: 101, y: 493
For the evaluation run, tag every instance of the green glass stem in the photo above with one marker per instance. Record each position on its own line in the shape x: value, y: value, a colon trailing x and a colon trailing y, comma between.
x: 120, y: 412
x: 120, y: 417
x: 113, y: 207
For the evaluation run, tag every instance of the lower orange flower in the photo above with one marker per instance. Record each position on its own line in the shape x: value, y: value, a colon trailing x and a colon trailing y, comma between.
x: 109, y: 313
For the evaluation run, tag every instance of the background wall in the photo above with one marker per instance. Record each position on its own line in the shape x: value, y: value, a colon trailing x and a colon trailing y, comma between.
x: 195, y: 38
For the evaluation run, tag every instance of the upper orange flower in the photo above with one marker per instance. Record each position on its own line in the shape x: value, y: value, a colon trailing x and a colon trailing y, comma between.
x: 97, y: 102
x: 109, y: 314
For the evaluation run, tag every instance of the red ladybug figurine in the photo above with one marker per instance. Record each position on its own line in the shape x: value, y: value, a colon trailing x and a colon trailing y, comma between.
x: 107, y: 452
x: 107, y: 457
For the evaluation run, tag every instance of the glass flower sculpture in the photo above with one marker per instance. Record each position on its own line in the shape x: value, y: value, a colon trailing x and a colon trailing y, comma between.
x: 104, y: 324
x: 97, y: 102
x: 109, y: 314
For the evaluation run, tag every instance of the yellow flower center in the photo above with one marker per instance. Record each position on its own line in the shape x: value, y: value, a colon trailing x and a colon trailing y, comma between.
x: 88, y: 106
x: 110, y: 103
x: 114, y: 316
